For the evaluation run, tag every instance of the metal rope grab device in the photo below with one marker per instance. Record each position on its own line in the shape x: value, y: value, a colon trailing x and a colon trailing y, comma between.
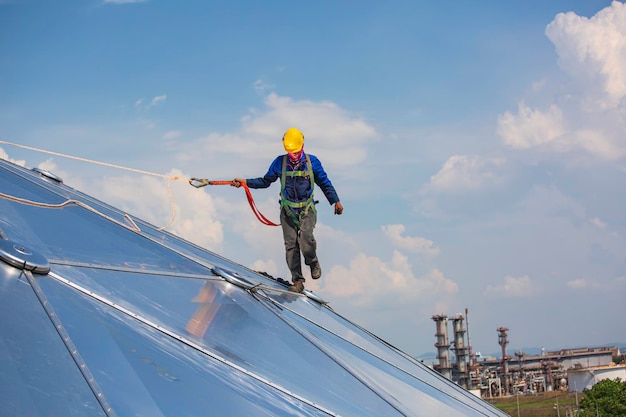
x: 203, y: 182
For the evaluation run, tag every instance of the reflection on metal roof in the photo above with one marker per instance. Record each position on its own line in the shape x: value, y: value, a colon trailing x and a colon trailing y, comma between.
x: 102, y: 314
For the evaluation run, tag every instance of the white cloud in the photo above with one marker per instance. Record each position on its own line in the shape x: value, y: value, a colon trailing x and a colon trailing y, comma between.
x: 539, y: 85
x: 596, y: 143
x: 262, y: 86
x: 463, y: 172
x: 195, y: 213
x: 546, y: 131
x: 5, y: 156
x: 593, y: 51
x: 322, y: 121
x: 591, y: 102
x: 408, y: 243
x: 530, y: 128
x: 512, y: 288
x: 338, y: 137
x: 265, y: 241
x: 172, y: 134
x: 265, y: 265
x: 368, y: 280
x: 578, y: 284
x: 613, y: 285
x: 598, y: 223
x: 158, y: 100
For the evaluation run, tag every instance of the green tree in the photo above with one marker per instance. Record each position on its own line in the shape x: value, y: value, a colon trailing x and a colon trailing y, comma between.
x: 607, y: 398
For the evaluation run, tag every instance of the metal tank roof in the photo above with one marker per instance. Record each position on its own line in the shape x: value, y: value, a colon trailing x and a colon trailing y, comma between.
x: 102, y: 314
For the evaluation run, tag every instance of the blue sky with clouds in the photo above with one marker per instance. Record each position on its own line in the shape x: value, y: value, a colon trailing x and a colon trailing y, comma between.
x: 479, y: 148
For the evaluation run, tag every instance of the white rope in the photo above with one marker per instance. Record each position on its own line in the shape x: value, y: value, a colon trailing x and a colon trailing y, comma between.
x: 106, y: 164
x: 170, y: 178
x: 67, y: 203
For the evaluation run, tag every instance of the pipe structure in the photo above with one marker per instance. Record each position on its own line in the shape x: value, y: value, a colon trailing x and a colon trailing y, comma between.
x: 443, y: 346
x: 503, y: 341
x: 460, y: 351
x: 472, y: 358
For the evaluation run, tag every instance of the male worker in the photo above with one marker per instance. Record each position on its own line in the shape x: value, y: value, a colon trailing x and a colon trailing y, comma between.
x: 298, y: 172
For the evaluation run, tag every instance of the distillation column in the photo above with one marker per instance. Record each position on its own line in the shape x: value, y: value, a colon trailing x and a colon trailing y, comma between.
x: 460, y: 351
x: 472, y: 357
x: 443, y: 346
x: 503, y: 341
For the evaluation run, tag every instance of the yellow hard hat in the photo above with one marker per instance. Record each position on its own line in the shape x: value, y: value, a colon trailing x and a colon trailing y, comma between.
x: 293, y: 140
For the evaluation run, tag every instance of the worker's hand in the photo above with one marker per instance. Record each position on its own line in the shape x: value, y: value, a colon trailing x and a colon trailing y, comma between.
x: 238, y: 182
x: 338, y: 208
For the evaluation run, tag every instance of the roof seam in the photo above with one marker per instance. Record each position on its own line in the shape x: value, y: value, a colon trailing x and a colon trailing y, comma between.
x: 71, y: 348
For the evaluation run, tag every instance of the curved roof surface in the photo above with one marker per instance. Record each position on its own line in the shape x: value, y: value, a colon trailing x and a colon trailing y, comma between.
x: 104, y: 315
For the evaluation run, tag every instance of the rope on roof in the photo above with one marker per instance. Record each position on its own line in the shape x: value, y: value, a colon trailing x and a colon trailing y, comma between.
x: 92, y: 161
x: 169, y: 178
x: 67, y: 203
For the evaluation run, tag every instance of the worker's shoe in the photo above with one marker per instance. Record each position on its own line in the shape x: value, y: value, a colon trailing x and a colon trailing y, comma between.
x: 298, y: 286
x: 316, y: 271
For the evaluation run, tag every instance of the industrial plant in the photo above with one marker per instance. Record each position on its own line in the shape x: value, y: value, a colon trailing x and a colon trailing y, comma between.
x: 520, y: 373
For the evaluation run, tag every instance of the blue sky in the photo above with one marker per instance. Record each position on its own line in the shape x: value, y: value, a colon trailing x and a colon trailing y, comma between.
x: 479, y: 148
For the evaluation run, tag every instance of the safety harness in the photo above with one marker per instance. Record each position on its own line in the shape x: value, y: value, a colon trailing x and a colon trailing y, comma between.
x: 303, y: 205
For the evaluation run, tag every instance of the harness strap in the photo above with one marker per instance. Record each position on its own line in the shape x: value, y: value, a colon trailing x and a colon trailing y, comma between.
x: 287, y: 205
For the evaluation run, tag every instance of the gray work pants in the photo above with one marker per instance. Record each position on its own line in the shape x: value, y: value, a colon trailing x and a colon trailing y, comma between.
x: 299, y: 240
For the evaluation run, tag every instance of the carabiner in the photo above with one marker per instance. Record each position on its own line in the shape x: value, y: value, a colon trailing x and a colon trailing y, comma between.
x: 202, y: 182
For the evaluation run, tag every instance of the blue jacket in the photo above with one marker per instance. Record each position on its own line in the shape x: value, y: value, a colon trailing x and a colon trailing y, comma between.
x: 297, y: 189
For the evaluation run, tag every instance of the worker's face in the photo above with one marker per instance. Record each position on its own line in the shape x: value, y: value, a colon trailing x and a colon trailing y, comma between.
x: 295, y: 156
